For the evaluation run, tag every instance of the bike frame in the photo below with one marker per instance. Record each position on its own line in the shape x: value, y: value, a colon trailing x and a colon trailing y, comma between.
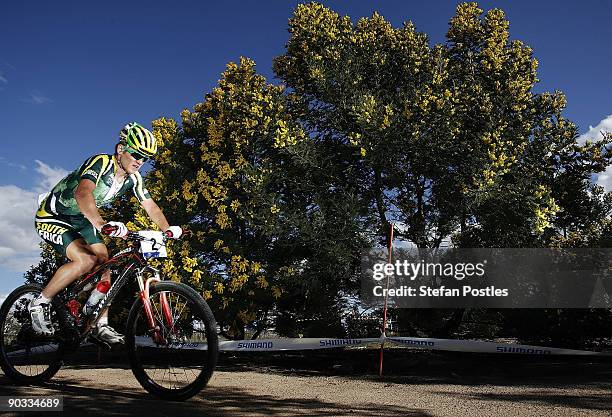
x: 132, y: 263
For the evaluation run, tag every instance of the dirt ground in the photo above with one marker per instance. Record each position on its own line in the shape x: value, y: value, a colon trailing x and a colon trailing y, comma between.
x: 416, y: 384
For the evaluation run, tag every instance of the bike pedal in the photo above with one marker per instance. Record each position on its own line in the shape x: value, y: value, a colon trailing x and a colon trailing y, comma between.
x: 101, y: 343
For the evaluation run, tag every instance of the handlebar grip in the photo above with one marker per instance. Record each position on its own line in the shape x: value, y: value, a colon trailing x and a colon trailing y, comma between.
x: 185, y: 233
x: 107, y: 229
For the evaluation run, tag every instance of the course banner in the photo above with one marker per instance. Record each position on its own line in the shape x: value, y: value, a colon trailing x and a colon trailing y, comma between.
x: 293, y: 344
x: 259, y: 345
x: 478, y: 346
x: 276, y: 345
x: 488, y: 278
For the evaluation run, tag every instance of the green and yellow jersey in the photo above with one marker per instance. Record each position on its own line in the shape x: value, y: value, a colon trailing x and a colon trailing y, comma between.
x: 101, y: 170
x: 59, y: 220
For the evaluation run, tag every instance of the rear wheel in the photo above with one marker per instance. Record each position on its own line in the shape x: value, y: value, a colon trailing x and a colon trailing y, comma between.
x: 25, y: 357
x: 178, y: 365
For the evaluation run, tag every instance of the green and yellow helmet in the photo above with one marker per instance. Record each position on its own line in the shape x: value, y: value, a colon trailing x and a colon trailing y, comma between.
x: 137, y: 138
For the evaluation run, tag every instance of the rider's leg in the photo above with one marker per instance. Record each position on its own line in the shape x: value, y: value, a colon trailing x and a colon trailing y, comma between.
x: 103, y: 331
x: 82, y: 261
x: 101, y: 252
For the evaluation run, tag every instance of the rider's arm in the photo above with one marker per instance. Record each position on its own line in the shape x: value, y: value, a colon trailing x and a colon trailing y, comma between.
x: 85, y: 200
x: 155, y: 214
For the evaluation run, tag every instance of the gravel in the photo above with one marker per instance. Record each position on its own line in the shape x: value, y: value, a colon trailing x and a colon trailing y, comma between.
x: 90, y: 391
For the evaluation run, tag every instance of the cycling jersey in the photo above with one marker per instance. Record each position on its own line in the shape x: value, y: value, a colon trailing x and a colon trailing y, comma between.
x: 101, y: 170
x: 59, y: 220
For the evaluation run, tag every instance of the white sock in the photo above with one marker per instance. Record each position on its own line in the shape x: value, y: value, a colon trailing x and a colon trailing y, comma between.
x: 41, y: 299
x: 103, y: 321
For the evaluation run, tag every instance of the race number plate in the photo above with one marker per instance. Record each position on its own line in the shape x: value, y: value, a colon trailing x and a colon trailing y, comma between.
x: 155, y: 247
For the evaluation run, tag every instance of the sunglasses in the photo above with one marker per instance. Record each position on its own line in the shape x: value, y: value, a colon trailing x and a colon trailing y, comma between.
x: 137, y: 155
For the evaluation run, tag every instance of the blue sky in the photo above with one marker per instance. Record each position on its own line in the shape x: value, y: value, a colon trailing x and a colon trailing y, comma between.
x: 72, y: 73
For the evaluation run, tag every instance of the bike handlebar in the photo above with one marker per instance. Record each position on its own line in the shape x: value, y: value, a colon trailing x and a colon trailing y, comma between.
x: 107, y: 229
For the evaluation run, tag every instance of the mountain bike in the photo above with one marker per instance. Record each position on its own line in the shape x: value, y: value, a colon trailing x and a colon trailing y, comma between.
x: 164, y: 320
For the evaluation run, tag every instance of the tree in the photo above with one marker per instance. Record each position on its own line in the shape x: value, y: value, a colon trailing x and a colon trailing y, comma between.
x: 239, y: 174
x: 283, y: 186
x: 46, y: 267
x: 450, y: 141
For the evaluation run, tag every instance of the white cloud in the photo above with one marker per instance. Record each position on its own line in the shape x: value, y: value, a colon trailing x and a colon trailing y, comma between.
x: 23, y: 261
x: 12, y: 164
x: 2, y: 298
x: 3, y: 79
x: 4, y: 251
x: 594, y: 133
x: 605, y: 179
x: 19, y: 242
x: 36, y: 97
x: 50, y: 176
x: 17, y: 223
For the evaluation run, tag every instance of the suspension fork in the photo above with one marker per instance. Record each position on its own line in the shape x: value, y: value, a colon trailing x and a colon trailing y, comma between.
x: 146, y: 302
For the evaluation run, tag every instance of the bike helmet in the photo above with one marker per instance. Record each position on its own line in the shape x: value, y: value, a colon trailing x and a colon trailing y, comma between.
x: 139, y: 139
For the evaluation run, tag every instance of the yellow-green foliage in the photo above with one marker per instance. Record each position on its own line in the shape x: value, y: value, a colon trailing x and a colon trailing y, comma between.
x: 219, y: 172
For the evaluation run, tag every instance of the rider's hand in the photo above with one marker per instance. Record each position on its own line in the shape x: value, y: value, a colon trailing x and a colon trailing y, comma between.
x: 120, y: 229
x: 174, y: 232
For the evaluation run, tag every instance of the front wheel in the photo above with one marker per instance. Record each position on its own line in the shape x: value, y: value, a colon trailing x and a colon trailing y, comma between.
x: 179, y: 363
x: 25, y: 357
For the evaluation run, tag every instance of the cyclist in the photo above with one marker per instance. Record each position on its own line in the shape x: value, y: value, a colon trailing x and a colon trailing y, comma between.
x: 69, y: 220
